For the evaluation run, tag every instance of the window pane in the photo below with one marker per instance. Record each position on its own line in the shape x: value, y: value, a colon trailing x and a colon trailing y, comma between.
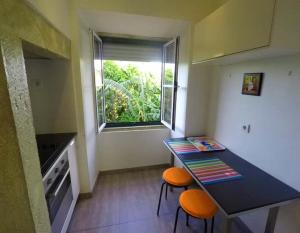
x: 169, y: 62
x: 100, y: 99
x: 99, y: 82
x: 132, y: 91
x: 169, y: 83
x: 168, y: 96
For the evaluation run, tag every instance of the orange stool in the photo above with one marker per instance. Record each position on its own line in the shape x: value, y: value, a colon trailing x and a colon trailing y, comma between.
x: 175, y: 177
x: 198, y: 204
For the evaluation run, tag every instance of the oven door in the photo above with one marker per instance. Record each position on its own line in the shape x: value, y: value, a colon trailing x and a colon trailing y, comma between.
x: 59, y: 199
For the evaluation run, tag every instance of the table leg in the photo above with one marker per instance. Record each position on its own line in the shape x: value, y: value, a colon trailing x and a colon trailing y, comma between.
x: 226, y: 225
x: 271, y: 221
x: 172, y: 163
x: 172, y: 160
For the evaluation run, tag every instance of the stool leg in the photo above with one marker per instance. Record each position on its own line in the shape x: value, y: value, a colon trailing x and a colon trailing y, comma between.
x: 161, y: 190
x: 212, y: 225
x: 205, y: 226
x: 187, y: 220
x: 176, y: 218
x: 166, y: 195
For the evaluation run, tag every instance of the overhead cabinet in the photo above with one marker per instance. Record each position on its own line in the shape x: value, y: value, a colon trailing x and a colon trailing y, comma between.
x: 239, y: 25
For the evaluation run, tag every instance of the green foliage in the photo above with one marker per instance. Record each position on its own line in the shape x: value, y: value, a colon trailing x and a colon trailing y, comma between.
x: 130, y: 94
x: 169, y: 76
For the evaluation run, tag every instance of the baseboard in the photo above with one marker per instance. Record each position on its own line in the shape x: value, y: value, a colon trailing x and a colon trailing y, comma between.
x: 115, y: 171
x: 85, y: 195
x: 89, y: 194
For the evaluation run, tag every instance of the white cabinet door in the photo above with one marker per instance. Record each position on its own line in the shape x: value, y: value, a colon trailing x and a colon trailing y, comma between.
x: 239, y: 25
x: 73, y: 168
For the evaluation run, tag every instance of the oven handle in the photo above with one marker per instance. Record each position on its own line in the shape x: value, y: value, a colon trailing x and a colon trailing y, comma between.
x: 60, y: 184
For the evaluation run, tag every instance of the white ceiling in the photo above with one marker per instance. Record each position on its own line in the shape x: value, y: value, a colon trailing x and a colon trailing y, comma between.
x: 192, y: 10
x: 137, y: 25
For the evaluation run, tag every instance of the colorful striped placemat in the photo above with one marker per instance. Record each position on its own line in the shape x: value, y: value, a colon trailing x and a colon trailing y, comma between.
x: 206, y: 144
x: 182, y: 146
x: 210, y: 171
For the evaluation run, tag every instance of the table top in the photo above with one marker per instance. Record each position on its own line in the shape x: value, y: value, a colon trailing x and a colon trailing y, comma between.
x: 256, y: 189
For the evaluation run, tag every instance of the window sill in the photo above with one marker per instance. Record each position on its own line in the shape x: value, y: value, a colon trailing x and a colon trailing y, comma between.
x: 134, y: 128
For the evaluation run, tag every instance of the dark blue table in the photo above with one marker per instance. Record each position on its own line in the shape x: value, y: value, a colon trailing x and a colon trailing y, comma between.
x: 255, y: 190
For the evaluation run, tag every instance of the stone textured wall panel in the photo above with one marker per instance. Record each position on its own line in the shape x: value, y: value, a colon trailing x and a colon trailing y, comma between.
x: 19, y: 19
x: 22, y: 202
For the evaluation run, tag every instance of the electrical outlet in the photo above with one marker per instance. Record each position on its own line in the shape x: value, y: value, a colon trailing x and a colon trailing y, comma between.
x: 247, y: 128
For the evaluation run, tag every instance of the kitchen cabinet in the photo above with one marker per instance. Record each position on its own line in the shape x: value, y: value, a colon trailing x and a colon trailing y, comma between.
x: 237, y: 26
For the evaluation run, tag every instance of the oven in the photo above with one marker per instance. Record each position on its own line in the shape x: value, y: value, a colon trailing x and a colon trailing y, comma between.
x: 58, y: 192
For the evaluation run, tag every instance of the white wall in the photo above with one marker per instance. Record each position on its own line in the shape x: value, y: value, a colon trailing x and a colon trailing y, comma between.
x: 133, y: 148
x: 198, y: 99
x: 88, y: 102
x: 56, y: 12
x: 51, y: 95
x: 273, y: 142
x: 126, y: 153
x: 185, y: 99
x: 183, y: 76
x: 77, y: 59
x: 192, y: 95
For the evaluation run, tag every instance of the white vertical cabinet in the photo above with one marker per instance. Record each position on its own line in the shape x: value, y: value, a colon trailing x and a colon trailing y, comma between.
x: 239, y: 25
x: 248, y: 30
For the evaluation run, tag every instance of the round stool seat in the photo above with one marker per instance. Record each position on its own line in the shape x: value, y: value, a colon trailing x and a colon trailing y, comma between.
x: 177, y: 176
x: 197, y: 203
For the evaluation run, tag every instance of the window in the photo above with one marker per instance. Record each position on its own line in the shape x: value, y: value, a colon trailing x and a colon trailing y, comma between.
x: 98, y: 81
x: 137, y: 84
x: 169, y: 83
x: 132, y: 92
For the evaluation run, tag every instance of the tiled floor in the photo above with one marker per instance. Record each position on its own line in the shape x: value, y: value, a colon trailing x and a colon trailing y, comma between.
x: 126, y: 203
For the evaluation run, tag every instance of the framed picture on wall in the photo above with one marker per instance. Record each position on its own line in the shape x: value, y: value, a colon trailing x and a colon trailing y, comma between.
x: 252, y: 83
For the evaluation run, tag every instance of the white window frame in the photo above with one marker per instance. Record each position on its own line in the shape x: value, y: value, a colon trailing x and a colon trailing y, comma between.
x: 174, y: 85
x: 94, y: 37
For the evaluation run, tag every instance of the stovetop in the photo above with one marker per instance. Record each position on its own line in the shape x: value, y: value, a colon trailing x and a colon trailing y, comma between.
x: 50, y: 146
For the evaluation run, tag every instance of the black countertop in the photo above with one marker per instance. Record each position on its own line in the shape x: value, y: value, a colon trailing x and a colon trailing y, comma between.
x: 50, y: 146
x: 256, y: 189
